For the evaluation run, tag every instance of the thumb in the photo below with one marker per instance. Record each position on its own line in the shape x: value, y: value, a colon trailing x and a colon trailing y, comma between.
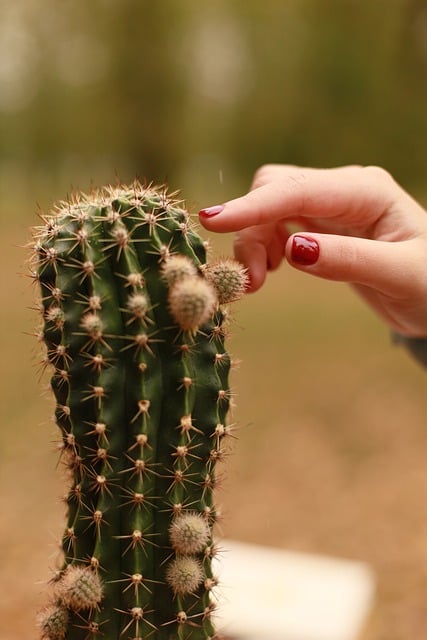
x: 391, y: 268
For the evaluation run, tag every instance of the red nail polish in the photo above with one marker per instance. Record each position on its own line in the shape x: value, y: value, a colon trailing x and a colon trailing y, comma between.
x: 211, y: 211
x: 304, y: 250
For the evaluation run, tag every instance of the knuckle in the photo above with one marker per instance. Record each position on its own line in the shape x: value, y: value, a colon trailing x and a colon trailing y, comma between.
x: 295, y: 185
x: 353, y: 167
x: 239, y: 241
x: 379, y: 173
x: 262, y: 175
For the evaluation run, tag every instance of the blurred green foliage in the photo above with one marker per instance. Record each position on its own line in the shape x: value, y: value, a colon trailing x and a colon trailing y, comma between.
x: 199, y: 94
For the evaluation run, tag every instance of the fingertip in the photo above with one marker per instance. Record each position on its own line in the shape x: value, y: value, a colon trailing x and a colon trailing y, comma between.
x: 256, y: 279
x: 302, y: 250
x: 233, y: 215
x: 254, y: 259
x: 209, y: 212
x: 387, y: 267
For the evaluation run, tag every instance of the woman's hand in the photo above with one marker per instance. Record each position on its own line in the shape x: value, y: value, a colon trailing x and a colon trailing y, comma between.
x: 357, y: 225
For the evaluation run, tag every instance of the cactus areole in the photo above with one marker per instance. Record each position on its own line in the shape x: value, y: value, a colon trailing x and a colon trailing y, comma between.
x: 133, y: 327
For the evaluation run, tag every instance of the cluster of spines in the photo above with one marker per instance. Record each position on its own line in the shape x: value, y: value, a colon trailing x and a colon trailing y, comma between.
x: 134, y: 332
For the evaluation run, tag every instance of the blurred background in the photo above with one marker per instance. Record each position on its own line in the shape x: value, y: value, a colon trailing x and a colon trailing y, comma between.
x: 332, y: 448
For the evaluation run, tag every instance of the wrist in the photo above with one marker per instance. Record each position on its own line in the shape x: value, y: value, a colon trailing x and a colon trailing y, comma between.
x: 416, y: 346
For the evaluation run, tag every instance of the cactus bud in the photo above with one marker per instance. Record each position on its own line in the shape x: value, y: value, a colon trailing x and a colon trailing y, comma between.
x: 189, y: 533
x: 184, y: 574
x: 176, y: 268
x: 80, y: 588
x: 229, y: 279
x: 191, y: 303
x: 53, y: 622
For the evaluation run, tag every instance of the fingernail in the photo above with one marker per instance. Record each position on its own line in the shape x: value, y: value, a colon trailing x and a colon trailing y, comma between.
x: 211, y: 211
x: 304, y: 250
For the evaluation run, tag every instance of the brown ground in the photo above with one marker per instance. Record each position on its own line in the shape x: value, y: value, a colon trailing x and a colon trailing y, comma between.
x: 330, y: 456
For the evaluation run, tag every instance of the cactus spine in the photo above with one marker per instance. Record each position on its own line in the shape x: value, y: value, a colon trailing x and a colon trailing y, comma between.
x: 134, y: 333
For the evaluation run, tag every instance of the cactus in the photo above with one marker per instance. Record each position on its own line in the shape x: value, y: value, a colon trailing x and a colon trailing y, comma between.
x: 133, y: 327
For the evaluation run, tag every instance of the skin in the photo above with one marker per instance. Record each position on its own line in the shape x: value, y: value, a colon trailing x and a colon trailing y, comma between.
x: 371, y: 233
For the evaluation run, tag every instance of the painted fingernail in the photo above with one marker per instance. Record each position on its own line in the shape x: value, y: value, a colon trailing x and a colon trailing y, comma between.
x: 304, y: 250
x: 211, y: 211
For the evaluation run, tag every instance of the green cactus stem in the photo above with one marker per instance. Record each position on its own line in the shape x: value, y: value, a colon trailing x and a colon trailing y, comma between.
x: 134, y: 333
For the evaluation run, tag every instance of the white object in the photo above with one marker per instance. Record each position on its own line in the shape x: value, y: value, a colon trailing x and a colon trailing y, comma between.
x: 270, y: 594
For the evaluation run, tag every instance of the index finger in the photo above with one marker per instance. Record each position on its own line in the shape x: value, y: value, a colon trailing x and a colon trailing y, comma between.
x: 350, y: 194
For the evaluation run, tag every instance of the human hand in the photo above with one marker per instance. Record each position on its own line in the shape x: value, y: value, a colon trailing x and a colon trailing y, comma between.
x: 357, y: 225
